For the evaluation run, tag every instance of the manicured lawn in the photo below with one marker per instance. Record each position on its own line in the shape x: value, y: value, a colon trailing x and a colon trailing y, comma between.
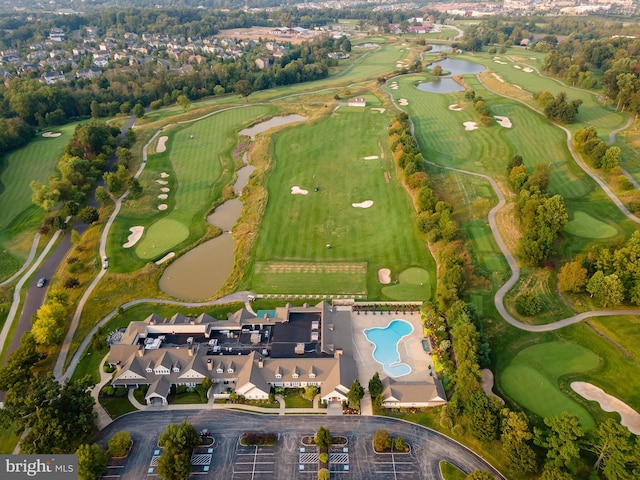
x: 296, y: 401
x: 116, y: 406
x: 8, y: 439
x: 184, y: 398
x: 531, y: 379
x: 412, y: 283
x: 451, y: 472
x: 623, y: 330
x: 296, y: 229
x: 584, y: 225
x: 35, y: 161
x: 198, y: 164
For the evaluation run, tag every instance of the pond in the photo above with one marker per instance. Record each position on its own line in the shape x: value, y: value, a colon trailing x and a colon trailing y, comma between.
x: 271, y: 123
x: 441, y: 85
x: 460, y: 67
x: 439, y: 48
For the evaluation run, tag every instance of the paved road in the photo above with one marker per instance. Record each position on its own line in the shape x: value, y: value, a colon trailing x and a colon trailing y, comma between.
x: 282, y: 462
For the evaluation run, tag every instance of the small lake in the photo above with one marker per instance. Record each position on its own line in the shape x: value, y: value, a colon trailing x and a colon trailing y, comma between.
x: 441, y: 85
x: 439, y: 48
x: 271, y: 123
x: 459, y: 67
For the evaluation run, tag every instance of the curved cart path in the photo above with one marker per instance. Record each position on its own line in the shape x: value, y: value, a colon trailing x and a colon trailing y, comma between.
x: 513, y: 264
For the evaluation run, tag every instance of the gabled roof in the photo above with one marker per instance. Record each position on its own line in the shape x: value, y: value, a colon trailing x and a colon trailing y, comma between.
x: 413, y: 392
x: 160, y: 388
x: 133, y: 369
x: 251, y: 377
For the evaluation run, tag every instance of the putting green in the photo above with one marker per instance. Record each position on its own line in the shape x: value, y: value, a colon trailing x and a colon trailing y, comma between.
x: 584, y: 225
x: 412, y: 283
x: 531, y: 379
x: 160, y: 237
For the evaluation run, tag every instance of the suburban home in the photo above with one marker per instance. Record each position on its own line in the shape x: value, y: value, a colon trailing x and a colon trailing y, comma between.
x: 262, y: 63
x: 412, y: 394
x: 51, y: 78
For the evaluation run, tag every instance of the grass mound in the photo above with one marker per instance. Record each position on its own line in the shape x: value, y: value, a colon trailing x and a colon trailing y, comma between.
x: 160, y: 237
x: 584, y: 225
x: 531, y: 379
x: 412, y: 283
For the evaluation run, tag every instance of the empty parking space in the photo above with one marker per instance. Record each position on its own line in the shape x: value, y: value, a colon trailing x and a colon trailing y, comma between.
x: 254, y: 462
x: 395, y: 466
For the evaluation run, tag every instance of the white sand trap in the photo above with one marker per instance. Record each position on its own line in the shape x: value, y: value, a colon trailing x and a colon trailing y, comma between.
x: 394, y: 88
x: 365, y: 204
x: 371, y: 157
x: 503, y: 121
x: 163, y: 196
x: 163, y: 206
x: 500, y: 62
x: 377, y: 109
x: 518, y: 67
x: 455, y: 107
x: 165, y: 189
x: 527, y: 69
x: 487, y: 384
x: 403, y: 101
x: 164, y: 175
x: 162, y: 144
x: 162, y: 182
x: 296, y: 190
x: 470, y: 125
x: 628, y: 416
x: 51, y: 134
x: 498, y: 77
x: 166, y: 257
x: 384, y: 276
x: 132, y: 239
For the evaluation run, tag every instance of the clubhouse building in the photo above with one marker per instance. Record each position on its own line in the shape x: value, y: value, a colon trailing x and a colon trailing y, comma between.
x: 250, y: 353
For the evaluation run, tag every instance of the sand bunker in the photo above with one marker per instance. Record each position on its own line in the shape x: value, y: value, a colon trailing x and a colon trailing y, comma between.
x: 162, y: 144
x: 296, y: 190
x: 498, y: 77
x: 504, y: 121
x: 403, y: 102
x: 163, y: 206
x: 371, y: 157
x: 377, y: 109
x: 365, y: 204
x: 628, y: 416
x: 518, y: 67
x: 394, y: 87
x: 162, y: 182
x: 163, y: 196
x: 455, y: 107
x: 470, y: 125
x: 132, y: 239
x: 384, y: 276
x: 164, y: 175
x: 500, y: 62
x: 51, y: 134
x: 487, y: 384
x: 527, y: 69
x: 166, y: 257
x: 165, y: 189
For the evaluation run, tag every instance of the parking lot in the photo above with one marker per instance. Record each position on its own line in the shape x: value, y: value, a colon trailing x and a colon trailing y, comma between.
x: 289, y: 458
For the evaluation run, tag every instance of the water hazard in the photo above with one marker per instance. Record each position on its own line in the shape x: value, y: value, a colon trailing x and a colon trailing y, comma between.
x: 447, y: 84
x: 201, y: 272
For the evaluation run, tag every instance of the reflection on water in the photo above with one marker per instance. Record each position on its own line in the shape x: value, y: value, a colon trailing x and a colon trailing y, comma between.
x: 272, y: 122
x: 460, y: 67
x: 439, y: 48
x: 441, y: 85
x: 202, y: 271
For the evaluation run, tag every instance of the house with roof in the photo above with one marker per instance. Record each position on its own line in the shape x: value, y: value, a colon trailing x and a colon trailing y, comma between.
x: 412, y: 394
x: 357, y: 102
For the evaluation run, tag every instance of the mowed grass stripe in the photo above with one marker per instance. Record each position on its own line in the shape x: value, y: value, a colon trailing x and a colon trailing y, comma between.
x: 35, y: 161
x: 198, y: 164
x: 328, y: 155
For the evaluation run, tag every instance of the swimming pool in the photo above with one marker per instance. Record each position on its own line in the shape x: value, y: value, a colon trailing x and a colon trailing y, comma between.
x: 386, y: 342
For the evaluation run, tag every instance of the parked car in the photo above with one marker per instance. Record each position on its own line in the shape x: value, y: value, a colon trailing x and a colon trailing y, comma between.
x: 105, y: 262
x: 41, y: 282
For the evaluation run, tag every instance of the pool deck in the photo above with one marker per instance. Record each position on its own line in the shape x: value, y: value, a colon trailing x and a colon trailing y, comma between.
x: 410, y: 347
